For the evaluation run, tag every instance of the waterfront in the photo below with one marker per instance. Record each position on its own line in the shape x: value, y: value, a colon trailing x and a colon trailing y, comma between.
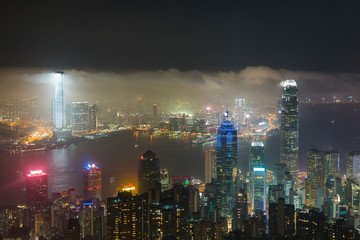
x: 118, y: 157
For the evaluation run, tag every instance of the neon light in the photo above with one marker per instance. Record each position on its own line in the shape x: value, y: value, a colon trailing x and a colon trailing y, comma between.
x: 36, y: 172
x: 259, y: 169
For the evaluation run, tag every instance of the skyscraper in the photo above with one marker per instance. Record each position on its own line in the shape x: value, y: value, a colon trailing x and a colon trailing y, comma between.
x: 258, y: 176
x: 315, y: 169
x: 240, y: 111
x: 164, y: 180
x: 226, y: 167
x: 332, y: 164
x: 289, y: 129
x: 36, y: 188
x: 92, y: 117
x: 149, y: 171
x: 257, y: 155
x: 92, y: 182
x: 80, y: 117
x: 258, y: 190
x: 353, y: 165
x: 281, y: 220
x: 59, y: 102
x: 210, y: 165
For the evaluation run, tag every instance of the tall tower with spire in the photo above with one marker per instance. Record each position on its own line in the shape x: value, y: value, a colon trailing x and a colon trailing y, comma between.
x: 289, y: 129
x: 226, y: 167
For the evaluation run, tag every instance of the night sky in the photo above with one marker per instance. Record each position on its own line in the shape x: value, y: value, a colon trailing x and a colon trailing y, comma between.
x: 187, y: 35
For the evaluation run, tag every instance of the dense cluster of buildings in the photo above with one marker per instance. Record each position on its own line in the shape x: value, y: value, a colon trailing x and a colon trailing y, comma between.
x: 264, y: 202
x: 65, y: 215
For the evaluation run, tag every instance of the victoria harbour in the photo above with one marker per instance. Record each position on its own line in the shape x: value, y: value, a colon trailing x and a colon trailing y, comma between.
x: 179, y: 120
x: 118, y: 155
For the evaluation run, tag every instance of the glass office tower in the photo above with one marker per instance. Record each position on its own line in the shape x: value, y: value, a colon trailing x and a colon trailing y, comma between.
x: 59, y: 102
x: 226, y: 167
x: 289, y: 129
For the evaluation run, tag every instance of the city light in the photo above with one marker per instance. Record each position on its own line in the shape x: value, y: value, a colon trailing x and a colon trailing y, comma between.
x: 211, y: 129
x: 34, y: 173
x: 259, y: 169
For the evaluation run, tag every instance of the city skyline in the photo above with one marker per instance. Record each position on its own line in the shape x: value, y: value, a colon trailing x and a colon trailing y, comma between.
x: 179, y: 120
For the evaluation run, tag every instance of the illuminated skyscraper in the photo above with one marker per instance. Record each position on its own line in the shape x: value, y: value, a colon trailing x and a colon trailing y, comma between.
x: 226, y: 167
x: 92, y: 117
x: 289, y: 130
x: 36, y: 188
x: 258, y: 190
x: 164, y: 180
x: 240, y: 111
x: 353, y: 165
x: 257, y: 155
x: 315, y: 169
x: 92, y: 182
x: 210, y: 165
x: 59, y: 102
x: 332, y: 164
x: 258, y: 177
x: 80, y: 117
x: 149, y: 171
x: 87, y: 219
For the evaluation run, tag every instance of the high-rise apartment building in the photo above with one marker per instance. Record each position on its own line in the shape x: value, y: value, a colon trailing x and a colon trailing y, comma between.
x: 281, y: 220
x: 226, y: 168
x: 164, y: 180
x: 149, y: 171
x: 127, y: 217
x: 92, y: 182
x: 80, y: 117
x: 210, y: 165
x: 59, y: 102
x: 289, y: 129
x: 36, y: 188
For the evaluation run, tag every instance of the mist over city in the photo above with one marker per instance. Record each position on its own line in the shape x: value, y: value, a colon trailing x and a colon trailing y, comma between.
x: 179, y: 120
x: 257, y: 83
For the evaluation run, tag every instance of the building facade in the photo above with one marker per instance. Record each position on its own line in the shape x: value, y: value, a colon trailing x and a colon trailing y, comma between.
x: 210, y: 165
x: 59, y: 102
x: 80, y: 117
x: 36, y: 188
x: 92, y: 182
x: 149, y: 171
x: 226, y: 167
x: 289, y: 129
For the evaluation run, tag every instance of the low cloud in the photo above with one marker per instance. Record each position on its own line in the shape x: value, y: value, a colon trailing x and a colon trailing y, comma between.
x: 257, y: 83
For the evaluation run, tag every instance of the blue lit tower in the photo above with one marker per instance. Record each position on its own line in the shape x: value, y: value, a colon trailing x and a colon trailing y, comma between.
x: 226, y: 167
x: 289, y: 130
x: 59, y: 102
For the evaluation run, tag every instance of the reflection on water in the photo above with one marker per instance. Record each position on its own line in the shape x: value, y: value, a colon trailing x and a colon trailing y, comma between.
x: 117, y: 157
